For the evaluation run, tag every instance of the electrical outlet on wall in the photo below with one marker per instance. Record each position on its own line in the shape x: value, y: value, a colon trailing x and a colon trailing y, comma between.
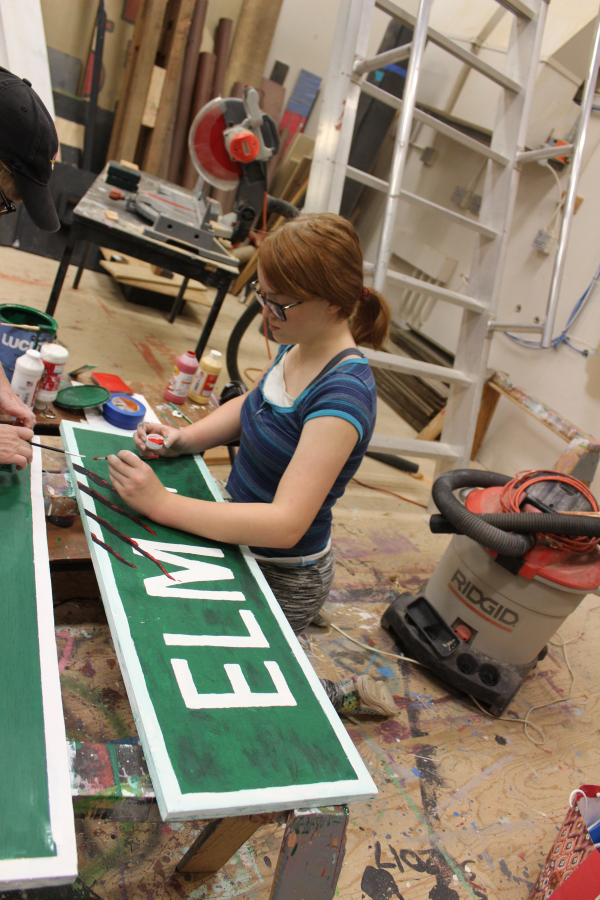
x: 458, y: 197
x: 475, y: 203
x: 544, y: 241
x: 429, y: 156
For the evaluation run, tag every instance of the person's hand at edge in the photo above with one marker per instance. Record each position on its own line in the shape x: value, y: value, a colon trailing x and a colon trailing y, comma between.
x: 11, y: 405
x: 14, y: 445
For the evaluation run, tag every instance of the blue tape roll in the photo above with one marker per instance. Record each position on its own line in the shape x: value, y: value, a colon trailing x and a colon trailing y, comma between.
x: 124, y: 412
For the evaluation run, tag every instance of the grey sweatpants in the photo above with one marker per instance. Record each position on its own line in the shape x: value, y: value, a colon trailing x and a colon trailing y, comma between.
x: 301, y: 590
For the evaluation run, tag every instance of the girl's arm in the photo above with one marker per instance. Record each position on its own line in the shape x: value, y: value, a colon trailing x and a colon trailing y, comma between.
x: 324, y: 447
x: 221, y: 426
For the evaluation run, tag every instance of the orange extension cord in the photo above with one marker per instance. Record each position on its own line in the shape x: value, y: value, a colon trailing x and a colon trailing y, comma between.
x: 513, y: 495
x: 385, y: 491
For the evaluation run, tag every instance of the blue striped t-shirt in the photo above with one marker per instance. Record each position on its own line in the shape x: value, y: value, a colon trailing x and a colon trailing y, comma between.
x: 270, y: 435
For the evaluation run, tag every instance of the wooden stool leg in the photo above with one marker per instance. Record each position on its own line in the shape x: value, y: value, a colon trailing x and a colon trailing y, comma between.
x: 217, y: 843
x: 580, y: 460
x: 311, y: 855
x: 489, y: 402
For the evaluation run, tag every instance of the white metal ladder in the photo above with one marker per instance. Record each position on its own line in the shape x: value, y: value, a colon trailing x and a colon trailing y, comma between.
x: 345, y: 81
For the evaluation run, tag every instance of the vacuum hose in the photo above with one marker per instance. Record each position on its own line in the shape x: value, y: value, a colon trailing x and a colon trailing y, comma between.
x: 490, y: 529
x: 281, y: 207
x: 470, y: 524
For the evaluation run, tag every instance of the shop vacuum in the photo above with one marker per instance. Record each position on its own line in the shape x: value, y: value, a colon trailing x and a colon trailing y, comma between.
x: 523, y: 556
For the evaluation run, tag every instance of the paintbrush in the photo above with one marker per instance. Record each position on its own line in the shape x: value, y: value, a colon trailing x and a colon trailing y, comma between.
x: 181, y: 413
x: 58, y: 450
x: 112, y: 454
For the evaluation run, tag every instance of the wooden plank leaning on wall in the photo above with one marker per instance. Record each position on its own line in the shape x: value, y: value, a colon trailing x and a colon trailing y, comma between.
x: 156, y: 156
x: 138, y: 72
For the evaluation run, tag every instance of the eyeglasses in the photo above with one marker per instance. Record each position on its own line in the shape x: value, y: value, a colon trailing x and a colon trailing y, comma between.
x: 276, y: 308
x: 7, y: 205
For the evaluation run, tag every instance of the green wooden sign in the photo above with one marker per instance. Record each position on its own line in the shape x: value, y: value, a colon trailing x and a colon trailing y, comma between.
x: 37, y: 833
x: 231, y: 714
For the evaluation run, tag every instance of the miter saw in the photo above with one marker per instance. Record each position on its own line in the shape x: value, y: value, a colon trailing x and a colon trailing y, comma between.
x: 230, y: 142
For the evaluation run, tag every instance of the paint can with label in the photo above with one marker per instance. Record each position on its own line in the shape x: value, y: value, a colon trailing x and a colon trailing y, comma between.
x: 54, y: 358
x: 181, y: 377
x: 154, y: 441
x: 206, y: 377
x: 29, y: 368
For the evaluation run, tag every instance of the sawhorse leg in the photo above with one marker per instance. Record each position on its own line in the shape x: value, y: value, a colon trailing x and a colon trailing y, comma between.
x: 580, y: 459
x: 489, y: 402
x: 311, y: 855
x: 84, y: 259
x: 217, y: 843
x: 62, y: 270
x: 310, y: 859
x: 212, y: 318
x: 178, y: 301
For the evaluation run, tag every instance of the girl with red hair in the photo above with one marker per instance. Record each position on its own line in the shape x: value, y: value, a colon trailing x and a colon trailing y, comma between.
x: 303, y: 428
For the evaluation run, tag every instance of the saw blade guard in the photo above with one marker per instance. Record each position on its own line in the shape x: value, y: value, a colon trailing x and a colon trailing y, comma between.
x: 207, y: 146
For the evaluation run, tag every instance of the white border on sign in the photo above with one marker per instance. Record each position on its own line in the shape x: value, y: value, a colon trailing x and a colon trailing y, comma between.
x: 60, y: 869
x: 173, y: 804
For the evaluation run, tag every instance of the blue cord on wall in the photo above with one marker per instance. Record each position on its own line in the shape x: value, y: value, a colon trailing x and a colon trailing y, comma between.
x: 563, y: 337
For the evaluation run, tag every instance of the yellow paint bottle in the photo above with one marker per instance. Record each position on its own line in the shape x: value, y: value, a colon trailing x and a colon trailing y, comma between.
x: 205, y: 378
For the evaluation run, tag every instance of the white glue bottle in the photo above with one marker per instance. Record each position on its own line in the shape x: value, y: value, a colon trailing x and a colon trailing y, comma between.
x: 54, y: 358
x: 29, y: 368
x: 205, y: 378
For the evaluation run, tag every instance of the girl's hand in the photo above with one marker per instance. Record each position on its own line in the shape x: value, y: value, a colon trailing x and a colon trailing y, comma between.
x: 174, y: 443
x: 136, y: 483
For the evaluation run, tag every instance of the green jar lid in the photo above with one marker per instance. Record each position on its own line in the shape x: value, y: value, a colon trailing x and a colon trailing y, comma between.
x: 82, y: 396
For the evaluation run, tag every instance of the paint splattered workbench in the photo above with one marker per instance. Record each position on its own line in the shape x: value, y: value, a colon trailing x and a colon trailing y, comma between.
x: 125, y: 234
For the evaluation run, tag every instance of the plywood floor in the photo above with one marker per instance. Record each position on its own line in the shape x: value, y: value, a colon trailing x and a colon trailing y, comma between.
x: 467, y: 806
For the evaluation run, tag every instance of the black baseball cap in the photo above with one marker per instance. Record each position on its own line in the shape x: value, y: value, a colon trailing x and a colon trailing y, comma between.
x: 28, y: 146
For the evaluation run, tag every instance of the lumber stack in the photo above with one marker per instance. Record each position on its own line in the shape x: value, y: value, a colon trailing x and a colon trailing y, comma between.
x: 414, y: 399
x: 168, y: 80
x: 133, y: 273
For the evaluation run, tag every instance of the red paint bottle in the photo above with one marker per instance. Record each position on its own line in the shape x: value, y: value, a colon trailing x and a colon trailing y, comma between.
x: 181, y: 377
